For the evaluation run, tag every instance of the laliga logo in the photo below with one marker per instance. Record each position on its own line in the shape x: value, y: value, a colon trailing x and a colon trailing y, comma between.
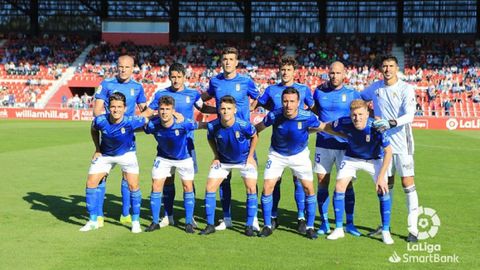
x: 428, y: 223
x: 452, y: 123
x: 394, y: 258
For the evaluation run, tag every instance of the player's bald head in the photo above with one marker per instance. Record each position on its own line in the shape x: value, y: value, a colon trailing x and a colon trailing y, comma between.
x: 337, y: 65
x: 336, y: 74
x: 126, y: 60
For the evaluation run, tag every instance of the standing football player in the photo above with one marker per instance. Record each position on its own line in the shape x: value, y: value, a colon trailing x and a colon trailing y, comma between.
x: 233, y: 143
x: 186, y: 100
x: 241, y: 88
x: 135, y: 95
x: 332, y: 101
x: 289, y: 148
x: 114, y: 140
x: 369, y: 150
x: 394, y: 108
x: 271, y: 100
x: 172, y: 154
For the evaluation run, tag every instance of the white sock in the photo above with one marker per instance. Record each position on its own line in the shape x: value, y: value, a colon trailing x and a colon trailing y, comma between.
x: 412, y: 206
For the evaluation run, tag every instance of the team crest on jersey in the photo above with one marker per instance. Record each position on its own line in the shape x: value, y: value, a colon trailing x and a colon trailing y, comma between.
x: 177, y: 132
x: 99, y: 89
x: 237, y: 87
x: 132, y: 92
x: 237, y: 134
x: 367, y: 138
x: 299, y: 125
x: 344, y: 98
x: 187, y: 99
x: 122, y: 130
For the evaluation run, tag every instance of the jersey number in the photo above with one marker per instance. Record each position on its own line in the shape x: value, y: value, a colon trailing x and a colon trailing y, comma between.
x: 269, y: 163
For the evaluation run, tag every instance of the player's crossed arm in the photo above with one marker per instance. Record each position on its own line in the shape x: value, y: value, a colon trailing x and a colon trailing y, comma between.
x: 327, y: 128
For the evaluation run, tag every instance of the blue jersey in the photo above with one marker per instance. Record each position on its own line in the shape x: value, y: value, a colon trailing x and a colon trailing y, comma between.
x: 117, y: 139
x: 233, y: 143
x: 132, y: 90
x: 241, y: 87
x: 332, y: 104
x: 272, y: 97
x: 184, y: 100
x: 364, y: 144
x: 172, y: 141
x: 290, y: 136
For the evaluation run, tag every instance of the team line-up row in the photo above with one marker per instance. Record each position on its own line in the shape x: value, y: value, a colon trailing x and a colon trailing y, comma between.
x: 346, y: 137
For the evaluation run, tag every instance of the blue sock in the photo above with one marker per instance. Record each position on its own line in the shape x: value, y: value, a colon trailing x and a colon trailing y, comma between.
x: 168, y: 199
x: 226, y: 196
x: 100, y: 197
x: 252, y: 207
x: 385, y: 210
x: 349, y: 204
x: 155, y: 205
x: 323, y: 199
x: 276, y: 197
x: 136, y: 201
x: 311, y: 205
x: 267, y: 202
x: 210, y: 205
x: 91, y: 200
x: 339, y: 206
x: 299, y: 198
x: 125, y: 198
x: 189, y: 205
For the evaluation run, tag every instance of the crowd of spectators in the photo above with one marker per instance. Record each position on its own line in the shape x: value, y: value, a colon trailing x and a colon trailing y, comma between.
x: 445, y: 72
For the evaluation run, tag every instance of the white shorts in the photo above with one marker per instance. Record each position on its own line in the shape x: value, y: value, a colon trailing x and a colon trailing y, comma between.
x: 325, y: 158
x: 350, y: 166
x: 300, y: 164
x: 163, y: 168
x: 103, y: 164
x: 402, y: 164
x: 222, y: 170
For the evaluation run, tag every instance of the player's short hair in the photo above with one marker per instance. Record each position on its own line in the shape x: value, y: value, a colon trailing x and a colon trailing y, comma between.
x: 228, y: 99
x: 290, y: 90
x: 357, y: 104
x: 166, y: 100
x: 118, y: 97
x: 178, y: 68
x: 230, y: 50
x: 390, y: 58
x: 288, y: 61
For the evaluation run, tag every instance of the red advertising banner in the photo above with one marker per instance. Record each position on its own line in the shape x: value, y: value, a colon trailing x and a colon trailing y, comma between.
x: 452, y: 123
x: 445, y: 123
x: 46, y: 114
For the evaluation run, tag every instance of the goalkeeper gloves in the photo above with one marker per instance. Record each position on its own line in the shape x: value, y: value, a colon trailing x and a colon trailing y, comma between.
x: 382, y: 124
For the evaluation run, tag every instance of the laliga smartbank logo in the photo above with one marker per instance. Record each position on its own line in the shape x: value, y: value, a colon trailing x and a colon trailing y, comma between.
x: 424, y: 252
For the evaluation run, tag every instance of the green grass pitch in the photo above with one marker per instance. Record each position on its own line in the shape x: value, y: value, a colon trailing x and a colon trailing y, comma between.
x: 44, y: 166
